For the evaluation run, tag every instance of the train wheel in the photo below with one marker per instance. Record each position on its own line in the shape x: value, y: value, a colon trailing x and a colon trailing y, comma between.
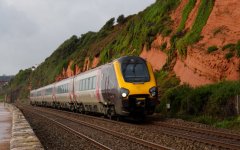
x: 81, y: 108
x: 110, y: 112
x: 72, y: 108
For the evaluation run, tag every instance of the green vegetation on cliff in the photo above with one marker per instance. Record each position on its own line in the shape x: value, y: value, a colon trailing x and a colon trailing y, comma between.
x: 111, y: 41
x: 194, y: 34
x: 209, y: 100
x: 129, y: 37
x: 186, y: 11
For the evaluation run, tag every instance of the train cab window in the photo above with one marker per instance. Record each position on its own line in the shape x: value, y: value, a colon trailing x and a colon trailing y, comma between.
x: 135, y: 72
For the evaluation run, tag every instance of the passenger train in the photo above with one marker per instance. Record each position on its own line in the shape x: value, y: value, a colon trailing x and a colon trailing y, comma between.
x: 124, y: 87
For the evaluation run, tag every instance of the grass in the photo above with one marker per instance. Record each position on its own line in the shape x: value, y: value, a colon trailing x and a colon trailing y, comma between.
x: 212, y: 48
x: 210, y: 104
x: 232, y: 123
x: 186, y: 11
x: 194, y: 34
x: 209, y: 100
x: 229, y: 46
x: 229, y: 123
x: 229, y: 55
x: 163, y: 46
x: 238, y: 48
x: 2, y: 98
x: 141, y: 30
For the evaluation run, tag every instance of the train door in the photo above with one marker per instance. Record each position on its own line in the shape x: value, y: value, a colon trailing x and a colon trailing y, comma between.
x: 108, y: 90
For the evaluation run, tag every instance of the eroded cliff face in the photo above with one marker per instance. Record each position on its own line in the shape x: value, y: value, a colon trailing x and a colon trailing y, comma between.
x: 155, y: 56
x: 200, y: 67
x: 71, y: 71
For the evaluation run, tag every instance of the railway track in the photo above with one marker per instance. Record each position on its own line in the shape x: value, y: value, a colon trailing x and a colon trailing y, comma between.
x: 208, y: 137
x: 215, y: 138
x: 143, y: 143
x: 78, y: 134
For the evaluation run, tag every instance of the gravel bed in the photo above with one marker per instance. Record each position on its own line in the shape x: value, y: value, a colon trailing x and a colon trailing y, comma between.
x: 181, y: 122
x: 145, y: 131
x: 102, y: 137
x: 53, y: 137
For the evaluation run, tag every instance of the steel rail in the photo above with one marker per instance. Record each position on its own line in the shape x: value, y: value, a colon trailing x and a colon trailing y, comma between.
x: 78, y: 134
x: 203, y: 140
x: 203, y: 131
x: 145, y: 143
x: 179, y: 135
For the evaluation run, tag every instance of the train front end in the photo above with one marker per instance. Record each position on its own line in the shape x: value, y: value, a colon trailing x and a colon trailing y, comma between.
x: 137, y: 86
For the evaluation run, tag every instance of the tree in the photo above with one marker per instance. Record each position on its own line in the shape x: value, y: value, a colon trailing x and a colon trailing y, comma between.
x: 108, y: 25
x: 121, y: 19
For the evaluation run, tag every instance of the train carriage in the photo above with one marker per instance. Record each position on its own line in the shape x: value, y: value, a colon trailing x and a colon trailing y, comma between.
x: 63, y: 94
x: 123, y: 87
x: 47, y: 92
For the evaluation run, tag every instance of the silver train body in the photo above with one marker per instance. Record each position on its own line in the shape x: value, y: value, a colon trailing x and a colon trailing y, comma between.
x: 123, y: 87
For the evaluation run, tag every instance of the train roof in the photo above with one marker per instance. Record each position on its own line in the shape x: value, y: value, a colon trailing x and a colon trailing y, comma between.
x: 121, y: 59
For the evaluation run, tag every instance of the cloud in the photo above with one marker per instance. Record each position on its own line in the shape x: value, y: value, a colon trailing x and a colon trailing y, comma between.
x: 30, y: 30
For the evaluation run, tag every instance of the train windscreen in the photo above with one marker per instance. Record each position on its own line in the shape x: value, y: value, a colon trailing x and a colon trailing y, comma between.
x: 135, y: 71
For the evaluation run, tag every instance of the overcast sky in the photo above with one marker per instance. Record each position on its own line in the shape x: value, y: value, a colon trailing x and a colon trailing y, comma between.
x: 30, y: 30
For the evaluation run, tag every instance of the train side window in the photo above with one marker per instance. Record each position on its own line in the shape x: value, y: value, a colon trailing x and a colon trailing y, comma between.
x: 83, y: 85
x: 90, y: 83
x: 61, y: 89
x: 87, y: 83
x: 93, y: 85
x: 80, y: 85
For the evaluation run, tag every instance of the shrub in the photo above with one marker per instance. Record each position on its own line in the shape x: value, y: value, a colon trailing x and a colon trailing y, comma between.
x: 163, y: 46
x: 229, y: 55
x: 186, y: 11
x: 173, y: 96
x: 209, y: 100
x: 194, y: 34
x: 108, y: 25
x: 212, y: 49
x: 238, y: 48
x: 229, y: 46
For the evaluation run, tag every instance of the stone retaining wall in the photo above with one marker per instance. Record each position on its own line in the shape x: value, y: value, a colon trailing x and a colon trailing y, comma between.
x: 23, y: 137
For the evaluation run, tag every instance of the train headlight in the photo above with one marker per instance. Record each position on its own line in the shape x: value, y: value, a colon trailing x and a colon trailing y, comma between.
x: 153, y: 91
x: 124, y: 92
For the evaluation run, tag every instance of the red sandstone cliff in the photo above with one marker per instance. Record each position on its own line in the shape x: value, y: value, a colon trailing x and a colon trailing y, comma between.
x: 199, y: 67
